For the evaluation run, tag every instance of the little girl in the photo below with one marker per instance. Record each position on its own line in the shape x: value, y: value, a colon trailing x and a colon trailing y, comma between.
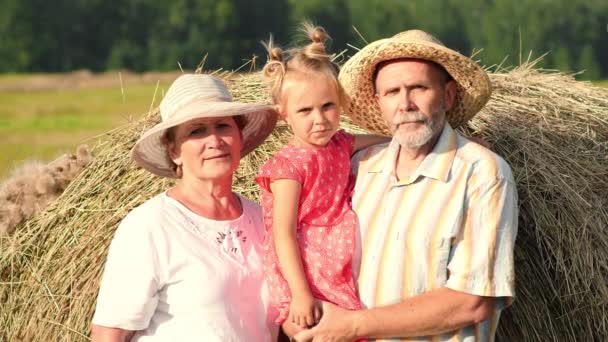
x: 306, y: 187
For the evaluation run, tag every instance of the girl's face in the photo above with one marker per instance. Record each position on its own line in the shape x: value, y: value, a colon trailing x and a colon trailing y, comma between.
x: 207, y: 148
x: 311, y: 106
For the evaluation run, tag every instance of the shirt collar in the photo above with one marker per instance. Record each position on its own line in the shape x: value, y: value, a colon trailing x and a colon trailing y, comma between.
x: 436, y: 164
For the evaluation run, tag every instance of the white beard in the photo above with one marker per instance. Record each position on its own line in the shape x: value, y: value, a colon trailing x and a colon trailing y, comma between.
x: 422, y: 136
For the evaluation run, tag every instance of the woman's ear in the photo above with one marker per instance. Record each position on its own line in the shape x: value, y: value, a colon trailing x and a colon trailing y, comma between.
x: 174, y: 154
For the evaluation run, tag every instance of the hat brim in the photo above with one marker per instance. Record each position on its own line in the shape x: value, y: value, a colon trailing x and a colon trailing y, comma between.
x: 473, y: 84
x: 152, y: 155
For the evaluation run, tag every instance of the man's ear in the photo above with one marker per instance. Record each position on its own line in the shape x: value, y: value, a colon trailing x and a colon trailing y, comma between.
x: 450, y: 94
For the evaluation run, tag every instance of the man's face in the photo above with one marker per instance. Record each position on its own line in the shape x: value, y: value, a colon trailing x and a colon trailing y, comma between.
x: 413, y: 98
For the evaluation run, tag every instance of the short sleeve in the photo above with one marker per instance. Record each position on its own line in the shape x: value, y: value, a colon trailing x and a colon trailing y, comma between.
x: 481, y: 259
x: 278, y: 167
x: 128, y: 292
x: 356, y: 159
x: 345, y: 141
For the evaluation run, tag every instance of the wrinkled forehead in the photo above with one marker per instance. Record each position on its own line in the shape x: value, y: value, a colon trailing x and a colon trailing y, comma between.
x: 198, y: 122
x: 420, y: 65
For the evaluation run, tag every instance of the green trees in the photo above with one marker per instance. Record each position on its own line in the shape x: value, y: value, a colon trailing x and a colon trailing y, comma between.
x: 60, y: 35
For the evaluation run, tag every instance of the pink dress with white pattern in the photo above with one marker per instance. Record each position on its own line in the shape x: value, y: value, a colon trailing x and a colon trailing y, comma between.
x: 326, y: 224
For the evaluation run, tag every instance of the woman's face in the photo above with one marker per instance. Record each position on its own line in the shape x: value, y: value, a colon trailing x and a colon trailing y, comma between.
x: 207, y: 148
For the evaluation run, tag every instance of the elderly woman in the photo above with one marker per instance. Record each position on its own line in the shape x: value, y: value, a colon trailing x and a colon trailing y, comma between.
x: 185, y: 265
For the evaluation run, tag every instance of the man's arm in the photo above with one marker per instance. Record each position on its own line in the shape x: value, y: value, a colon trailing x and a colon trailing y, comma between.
x: 492, y: 222
x: 431, y: 313
x: 366, y: 140
x: 434, y: 312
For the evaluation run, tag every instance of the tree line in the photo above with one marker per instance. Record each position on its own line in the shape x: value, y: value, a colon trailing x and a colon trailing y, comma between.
x: 63, y: 35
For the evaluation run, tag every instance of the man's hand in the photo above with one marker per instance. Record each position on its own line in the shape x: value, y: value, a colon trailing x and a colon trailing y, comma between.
x: 290, y: 329
x: 336, y: 325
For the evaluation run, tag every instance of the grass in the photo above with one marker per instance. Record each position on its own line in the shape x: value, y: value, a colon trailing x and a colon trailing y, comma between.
x: 44, y: 124
x: 603, y: 83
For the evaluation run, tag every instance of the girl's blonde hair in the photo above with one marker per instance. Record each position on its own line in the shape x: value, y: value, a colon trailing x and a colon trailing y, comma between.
x: 311, y: 58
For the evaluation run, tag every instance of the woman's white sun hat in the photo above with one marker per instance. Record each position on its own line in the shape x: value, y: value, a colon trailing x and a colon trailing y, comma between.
x: 194, y: 96
x: 356, y: 76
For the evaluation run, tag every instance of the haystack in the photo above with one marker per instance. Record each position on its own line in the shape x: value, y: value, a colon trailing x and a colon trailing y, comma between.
x: 32, y: 186
x: 552, y: 129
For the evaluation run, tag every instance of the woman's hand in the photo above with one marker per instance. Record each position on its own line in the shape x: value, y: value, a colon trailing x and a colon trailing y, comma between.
x: 304, y: 310
x: 105, y: 334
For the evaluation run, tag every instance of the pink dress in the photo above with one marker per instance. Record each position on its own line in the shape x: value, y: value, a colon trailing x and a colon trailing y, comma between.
x: 326, y: 222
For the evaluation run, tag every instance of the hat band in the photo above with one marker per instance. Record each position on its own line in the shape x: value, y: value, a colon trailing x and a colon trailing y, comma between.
x: 167, y: 113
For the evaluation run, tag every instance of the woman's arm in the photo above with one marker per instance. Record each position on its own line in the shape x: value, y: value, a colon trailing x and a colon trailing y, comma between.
x: 365, y: 140
x: 286, y: 195
x: 105, y: 334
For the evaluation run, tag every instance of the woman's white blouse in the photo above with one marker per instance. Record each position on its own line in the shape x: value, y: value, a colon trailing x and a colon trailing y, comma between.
x: 173, y: 275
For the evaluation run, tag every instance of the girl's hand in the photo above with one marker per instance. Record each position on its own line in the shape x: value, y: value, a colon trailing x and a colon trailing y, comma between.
x: 304, y: 310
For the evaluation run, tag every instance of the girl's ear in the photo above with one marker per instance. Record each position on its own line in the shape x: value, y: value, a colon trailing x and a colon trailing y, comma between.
x: 282, y: 112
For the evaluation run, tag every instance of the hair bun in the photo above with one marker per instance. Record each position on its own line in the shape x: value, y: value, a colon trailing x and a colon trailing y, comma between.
x: 318, y: 35
x: 310, y: 58
x: 275, y: 54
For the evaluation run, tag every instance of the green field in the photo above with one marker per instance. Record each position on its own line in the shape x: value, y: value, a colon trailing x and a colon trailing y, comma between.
x: 45, y: 123
x: 38, y: 122
x: 601, y: 83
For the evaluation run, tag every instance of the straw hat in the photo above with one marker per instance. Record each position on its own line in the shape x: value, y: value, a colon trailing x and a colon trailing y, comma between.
x: 193, y: 96
x: 473, y: 91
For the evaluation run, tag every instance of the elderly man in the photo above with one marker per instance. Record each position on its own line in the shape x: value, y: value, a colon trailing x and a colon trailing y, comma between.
x: 438, y: 213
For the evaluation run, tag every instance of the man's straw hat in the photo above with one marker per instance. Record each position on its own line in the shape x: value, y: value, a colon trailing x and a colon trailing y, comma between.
x: 473, y: 91
x: 194, y: 96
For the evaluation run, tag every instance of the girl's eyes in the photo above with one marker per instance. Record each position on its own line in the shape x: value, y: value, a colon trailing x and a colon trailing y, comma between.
x: 304, y: 111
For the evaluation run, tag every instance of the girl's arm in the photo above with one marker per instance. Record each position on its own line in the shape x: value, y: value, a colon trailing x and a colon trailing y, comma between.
x: 286, y: 194
x: 365, y: 140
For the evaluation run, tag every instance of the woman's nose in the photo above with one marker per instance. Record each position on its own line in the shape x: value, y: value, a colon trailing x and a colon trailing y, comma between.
x: 214, y: 140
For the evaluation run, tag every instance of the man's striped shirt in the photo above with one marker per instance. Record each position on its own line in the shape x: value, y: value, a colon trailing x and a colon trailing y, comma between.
x: 452, y: 224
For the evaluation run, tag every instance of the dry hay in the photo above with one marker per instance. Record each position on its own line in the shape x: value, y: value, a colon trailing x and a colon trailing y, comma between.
x: 552, y: 129
x: 34, y: 185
